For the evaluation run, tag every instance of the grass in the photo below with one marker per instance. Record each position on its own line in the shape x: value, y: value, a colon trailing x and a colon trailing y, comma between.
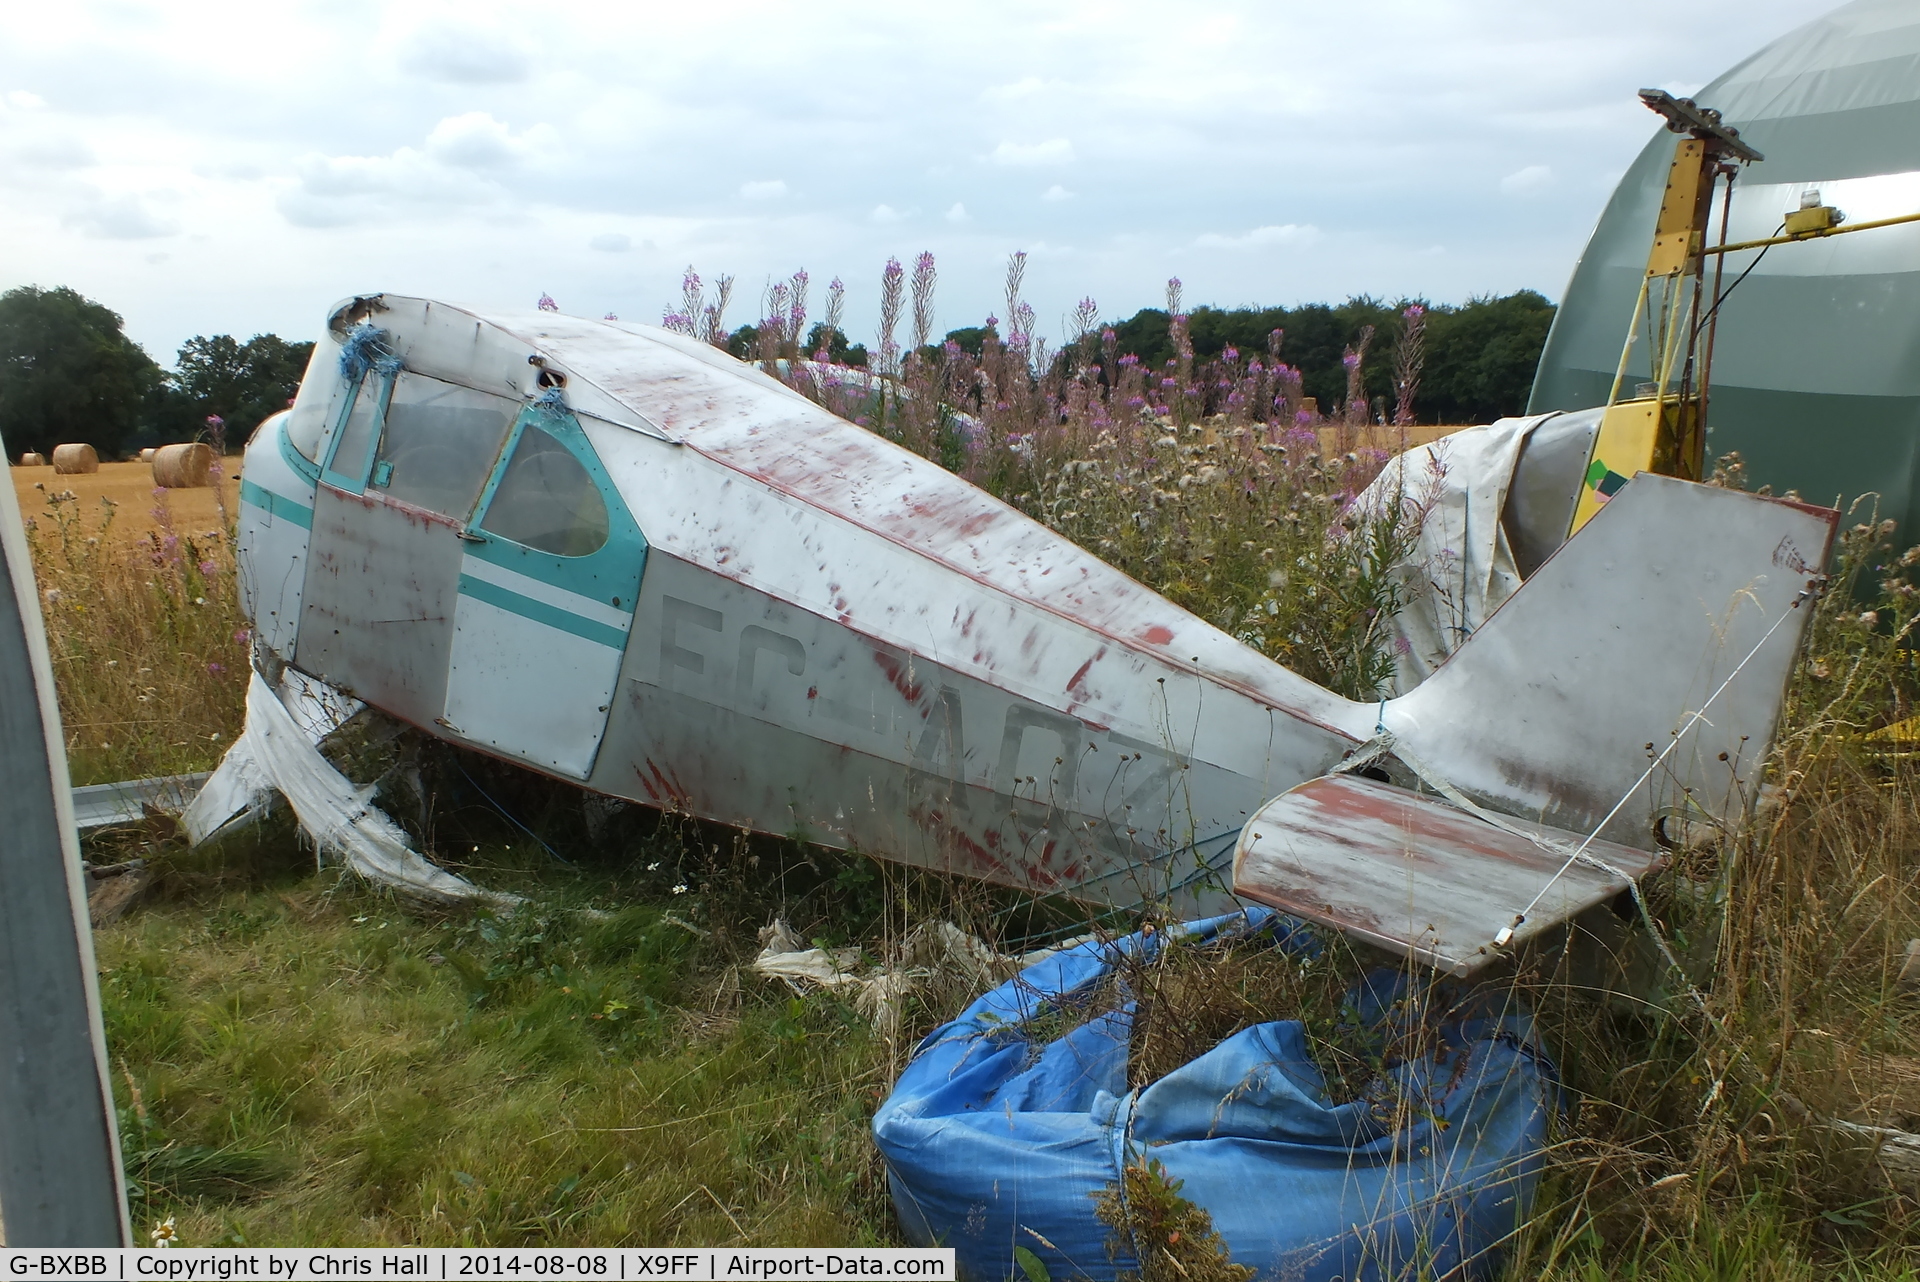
x: 303, y: 1059
x: 148, y: 643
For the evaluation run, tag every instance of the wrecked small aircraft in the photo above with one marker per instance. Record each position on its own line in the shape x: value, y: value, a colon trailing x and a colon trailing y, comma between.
x: 617, y: 556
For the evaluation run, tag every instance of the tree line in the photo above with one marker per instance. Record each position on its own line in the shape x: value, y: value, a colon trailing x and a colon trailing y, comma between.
x: 1479, y: 357
x: 69, y: 373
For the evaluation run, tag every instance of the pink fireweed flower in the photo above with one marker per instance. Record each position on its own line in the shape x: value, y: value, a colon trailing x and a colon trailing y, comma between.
x: 546, y: 303
x: 243, y: 636
x: 215, y: 668
x: 209, y: 567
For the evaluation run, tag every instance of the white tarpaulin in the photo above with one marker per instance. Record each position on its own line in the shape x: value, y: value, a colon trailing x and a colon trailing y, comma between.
x: 277, y: 752
x: 932, y: 953
x: 1461, y: 567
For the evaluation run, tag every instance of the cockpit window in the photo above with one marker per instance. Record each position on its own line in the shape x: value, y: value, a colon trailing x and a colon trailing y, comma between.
x: 348, y: 463
x: 439, y: 444
x: 546, y: 500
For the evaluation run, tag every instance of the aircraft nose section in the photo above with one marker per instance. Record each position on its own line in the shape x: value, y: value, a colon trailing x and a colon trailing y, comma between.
x: 276, y: 519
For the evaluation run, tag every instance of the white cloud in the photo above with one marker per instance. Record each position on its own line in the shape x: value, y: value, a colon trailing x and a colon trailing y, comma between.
x: 469, y: 162
x: 1054, y: 151
x: 24, y: 101
x: 1056, y: 193
x: 1260, y: 237
x: 123, y: 217
x: 958, y: 214
x: 611, y: 242
x: 464, y: 55
x: 770, y: 189
x: 474, y: 140
x: 1521, y: 182
x: 52, y: 151
x: 1025, y: 87
x: 885, y: 214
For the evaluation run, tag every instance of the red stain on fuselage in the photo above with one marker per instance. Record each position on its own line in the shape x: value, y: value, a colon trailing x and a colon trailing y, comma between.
x: 897, y: 674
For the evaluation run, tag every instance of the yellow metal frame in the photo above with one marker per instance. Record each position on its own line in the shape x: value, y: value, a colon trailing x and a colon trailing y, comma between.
x: 1662, y: 432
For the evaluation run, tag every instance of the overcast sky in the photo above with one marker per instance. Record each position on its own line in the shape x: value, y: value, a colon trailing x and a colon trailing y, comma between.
x: 235, y: 168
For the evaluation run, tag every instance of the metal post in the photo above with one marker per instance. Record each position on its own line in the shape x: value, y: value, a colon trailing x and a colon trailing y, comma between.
x: 60, y: 1177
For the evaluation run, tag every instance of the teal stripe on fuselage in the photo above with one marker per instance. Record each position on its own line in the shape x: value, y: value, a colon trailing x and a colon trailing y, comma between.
x: 541, y: 612
x: 277, y: 505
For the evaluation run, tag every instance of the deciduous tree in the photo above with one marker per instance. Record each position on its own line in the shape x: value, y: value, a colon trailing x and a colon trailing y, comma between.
x: 69, y: 373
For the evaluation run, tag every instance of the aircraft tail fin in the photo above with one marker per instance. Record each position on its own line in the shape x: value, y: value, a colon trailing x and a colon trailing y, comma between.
x: 1639, y: 673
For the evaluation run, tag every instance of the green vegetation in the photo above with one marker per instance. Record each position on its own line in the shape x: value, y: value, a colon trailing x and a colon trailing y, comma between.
x: 149, y: 646
x: 68, y: 372
x: 1480, y: 355
x: 304, y: 1060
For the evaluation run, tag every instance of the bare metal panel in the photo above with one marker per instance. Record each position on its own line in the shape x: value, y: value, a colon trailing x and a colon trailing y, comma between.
x: 60, y: 1181
x: 376, y: 617
x: 1676, y: 613
x: 742, y: 709
x: 1414, y: 875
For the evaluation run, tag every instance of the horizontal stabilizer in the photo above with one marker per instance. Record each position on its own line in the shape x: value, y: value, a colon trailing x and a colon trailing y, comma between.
x: 1417, y: 876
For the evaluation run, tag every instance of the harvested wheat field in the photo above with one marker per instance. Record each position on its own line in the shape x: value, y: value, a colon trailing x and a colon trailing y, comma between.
x: 130, y: 487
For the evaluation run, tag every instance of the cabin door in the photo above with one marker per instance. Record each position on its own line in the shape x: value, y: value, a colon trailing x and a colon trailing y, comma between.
x: 400, y: 471
x: 548, y: 580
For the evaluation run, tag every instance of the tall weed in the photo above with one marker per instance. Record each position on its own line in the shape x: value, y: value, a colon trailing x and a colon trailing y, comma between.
x: 149, y: 646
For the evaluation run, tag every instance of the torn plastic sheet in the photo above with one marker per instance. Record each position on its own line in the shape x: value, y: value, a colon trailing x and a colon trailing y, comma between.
x: 278, y: 753
x: 1461, y: 567
x: 933, y: 953
x: 997, y: 1137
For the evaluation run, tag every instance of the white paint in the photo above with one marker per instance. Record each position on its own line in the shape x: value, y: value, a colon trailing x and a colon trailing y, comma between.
x: 547, y: 594
x: 525, y: 690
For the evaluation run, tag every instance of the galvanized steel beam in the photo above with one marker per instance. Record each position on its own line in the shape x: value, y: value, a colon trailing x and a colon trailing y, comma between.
x: 60, y: 1178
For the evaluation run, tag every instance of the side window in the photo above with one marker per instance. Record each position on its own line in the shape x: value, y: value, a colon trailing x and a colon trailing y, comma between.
x: 546, y: 500
x: 439, y: 443
x: 347, y: 465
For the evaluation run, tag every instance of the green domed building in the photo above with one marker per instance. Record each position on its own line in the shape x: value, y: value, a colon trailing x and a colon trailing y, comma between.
x: 1816, y: 371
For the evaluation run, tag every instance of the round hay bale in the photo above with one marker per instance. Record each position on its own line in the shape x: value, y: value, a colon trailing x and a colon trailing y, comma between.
x: 146, y: 455
x: 182, y: 467
x: 72, y: 460
x: 30, y: 459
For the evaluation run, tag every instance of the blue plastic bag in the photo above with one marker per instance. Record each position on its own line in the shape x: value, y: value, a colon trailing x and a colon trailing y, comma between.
x: 993, y: 1141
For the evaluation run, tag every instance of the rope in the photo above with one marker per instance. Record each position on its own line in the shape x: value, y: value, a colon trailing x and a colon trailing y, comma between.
x: 508, y: 815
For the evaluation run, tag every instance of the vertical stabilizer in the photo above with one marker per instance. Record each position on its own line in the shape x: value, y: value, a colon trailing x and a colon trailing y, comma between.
x: 1669, y: 624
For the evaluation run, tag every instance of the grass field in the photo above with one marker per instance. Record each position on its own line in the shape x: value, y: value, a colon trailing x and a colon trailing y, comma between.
x: 303, y: 1059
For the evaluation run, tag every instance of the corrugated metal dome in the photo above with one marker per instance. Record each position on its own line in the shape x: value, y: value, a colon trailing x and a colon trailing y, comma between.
x: 1816, y: 375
